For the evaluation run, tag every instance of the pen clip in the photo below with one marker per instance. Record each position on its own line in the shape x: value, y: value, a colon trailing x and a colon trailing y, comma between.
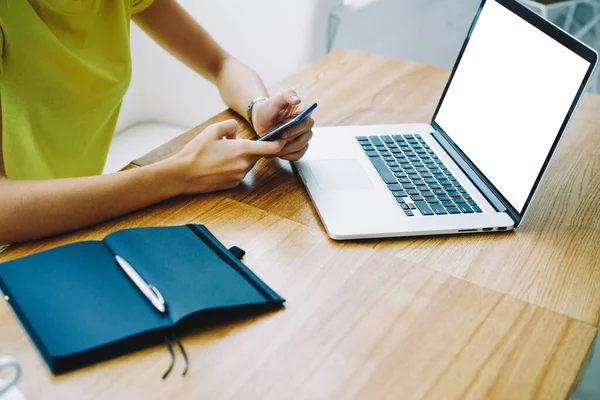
x: 157, y: 294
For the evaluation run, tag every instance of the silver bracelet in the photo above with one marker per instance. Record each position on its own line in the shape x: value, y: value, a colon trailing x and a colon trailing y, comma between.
x: 251, y: 107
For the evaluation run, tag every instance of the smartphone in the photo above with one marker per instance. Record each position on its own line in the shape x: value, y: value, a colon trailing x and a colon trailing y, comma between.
x: 274, y: 134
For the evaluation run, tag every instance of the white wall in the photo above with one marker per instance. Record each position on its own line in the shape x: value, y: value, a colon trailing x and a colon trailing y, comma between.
x: 275, y: 37
x: 427, y: 31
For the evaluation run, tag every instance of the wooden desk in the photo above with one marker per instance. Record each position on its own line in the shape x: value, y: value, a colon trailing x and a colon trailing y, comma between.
x: 502, y: 316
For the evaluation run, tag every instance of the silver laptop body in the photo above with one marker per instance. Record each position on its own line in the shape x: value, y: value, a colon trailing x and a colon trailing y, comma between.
x: 476, y: 166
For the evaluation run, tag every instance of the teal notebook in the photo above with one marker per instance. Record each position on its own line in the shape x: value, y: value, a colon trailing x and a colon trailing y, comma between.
x: 79, y: 307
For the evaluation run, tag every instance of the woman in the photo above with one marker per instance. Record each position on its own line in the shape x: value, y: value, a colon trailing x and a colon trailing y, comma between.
x: 64, y: 69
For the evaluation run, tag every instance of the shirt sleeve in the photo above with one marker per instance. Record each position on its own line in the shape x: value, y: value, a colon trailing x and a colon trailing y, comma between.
x: 140, y: 5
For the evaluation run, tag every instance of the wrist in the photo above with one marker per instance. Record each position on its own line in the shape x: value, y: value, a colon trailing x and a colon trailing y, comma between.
x: 169, y: 176
x: 252, y: 109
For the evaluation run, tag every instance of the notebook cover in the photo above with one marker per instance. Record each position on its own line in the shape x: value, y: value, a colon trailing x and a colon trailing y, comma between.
x: 78, y: 306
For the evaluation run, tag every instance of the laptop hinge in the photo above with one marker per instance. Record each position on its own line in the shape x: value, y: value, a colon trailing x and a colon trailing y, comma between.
x: 476, y: 178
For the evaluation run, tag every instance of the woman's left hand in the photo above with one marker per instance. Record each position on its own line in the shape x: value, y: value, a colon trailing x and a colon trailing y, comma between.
x: 278, y: 109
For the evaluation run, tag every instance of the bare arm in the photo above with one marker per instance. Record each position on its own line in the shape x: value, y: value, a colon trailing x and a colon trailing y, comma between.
x: 176, y: 31
x: 35, y: 209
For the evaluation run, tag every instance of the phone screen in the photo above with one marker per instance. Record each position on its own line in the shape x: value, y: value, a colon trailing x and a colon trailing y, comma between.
x: 276, y: 132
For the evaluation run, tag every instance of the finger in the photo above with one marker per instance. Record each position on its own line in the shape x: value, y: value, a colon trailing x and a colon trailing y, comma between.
x: 258, y: 148
x: 225, y: 129
x: 295, y: 156
x: 303, y: 127
x: 288, y: 98
x: 296, y: 145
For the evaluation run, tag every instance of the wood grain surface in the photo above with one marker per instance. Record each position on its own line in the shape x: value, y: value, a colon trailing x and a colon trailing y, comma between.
x: 480, y: 316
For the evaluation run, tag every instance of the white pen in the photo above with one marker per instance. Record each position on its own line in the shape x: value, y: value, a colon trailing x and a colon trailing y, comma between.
x: 148, y: 290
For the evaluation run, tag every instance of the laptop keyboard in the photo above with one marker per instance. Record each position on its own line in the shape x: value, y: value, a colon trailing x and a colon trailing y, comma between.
x: 416, y: 177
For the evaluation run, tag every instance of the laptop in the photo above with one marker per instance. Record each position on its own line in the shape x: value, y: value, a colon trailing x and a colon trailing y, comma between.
x: 476, y: 167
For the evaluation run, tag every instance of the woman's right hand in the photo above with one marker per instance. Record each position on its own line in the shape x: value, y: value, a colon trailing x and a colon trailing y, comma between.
x: 215, y: 160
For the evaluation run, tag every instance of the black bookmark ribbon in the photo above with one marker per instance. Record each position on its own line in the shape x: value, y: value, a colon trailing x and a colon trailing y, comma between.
x: 168, y: 342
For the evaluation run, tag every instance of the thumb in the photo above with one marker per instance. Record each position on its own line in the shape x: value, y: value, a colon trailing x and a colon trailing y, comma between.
x: 286, y: 99
x: 227, y: 129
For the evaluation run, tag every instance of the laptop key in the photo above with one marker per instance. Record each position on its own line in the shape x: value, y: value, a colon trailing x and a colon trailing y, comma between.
x: 412, y: 192
x: 454, y: 194
x: 372, y: 153
x: 409, y: 213
x: 423, y: 188
x: 438, y: 209
x: 408, y: 186
x: 405, y: 206
x: 396, y: 169
x: 414, y: 176
x: 462, y: 190
x: 399, y: 174
x: 424, y: 208
x: 412, y: 206
x: 449, y: 188
x: 416, y: 198
x: 383, y: 170
x: 394, y: 186
x: 465, y: 208
x: 444, y: 198
x: 375, y: 140
x: 453, y: 210
x: 397, y: 137
x: 432, y: 200
x: 388, y: 158
x: 448, y: 204
x: 434, y: 186
x: 387, y: 139
x: 400, y: 200
x: 404, y: 180
x: 477, y: 209
x: 400, y: 193
x: 427, y: 194
x: 362, y: 138
x: 472, y: 203
x: 460, y: 201
x: 439, y: 192
x: 466, y: 196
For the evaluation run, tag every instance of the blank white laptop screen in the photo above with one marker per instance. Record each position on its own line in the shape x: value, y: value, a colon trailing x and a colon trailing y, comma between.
x: 508, y: 99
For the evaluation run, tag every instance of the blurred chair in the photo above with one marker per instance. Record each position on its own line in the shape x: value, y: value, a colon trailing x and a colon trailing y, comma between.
x: 165, y: 98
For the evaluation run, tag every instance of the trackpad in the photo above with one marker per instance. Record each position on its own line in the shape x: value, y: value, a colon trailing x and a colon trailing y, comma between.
x: 340, y: 175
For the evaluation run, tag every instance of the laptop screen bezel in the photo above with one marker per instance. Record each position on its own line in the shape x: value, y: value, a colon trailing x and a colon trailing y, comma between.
x: 560, y: 36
